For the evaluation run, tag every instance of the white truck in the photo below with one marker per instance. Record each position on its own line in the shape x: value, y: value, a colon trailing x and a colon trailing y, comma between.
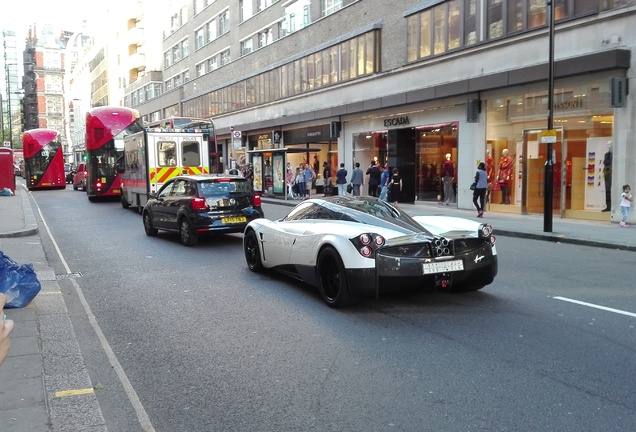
x: 156, y: 155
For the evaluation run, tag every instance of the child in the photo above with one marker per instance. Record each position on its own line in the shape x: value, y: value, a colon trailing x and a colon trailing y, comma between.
x: 626, y: 199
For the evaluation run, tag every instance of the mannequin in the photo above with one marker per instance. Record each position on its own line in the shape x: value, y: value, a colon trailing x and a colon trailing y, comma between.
x: 607, y: 175
x: 490, y: 173
x: 448, y: 173
x: 505, y: 176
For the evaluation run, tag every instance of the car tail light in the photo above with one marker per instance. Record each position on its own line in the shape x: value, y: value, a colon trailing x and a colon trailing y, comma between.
x: 257, y: 200
x: 367, y: 244
x: 98, y: 184
x: 198, y: 203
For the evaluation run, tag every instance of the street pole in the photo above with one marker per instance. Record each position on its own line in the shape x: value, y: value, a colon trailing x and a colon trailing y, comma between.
x: 549, y: 164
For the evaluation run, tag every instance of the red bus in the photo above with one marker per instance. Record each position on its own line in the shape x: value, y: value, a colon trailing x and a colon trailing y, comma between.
x: 216, y: 150
x: 43, y: 159
x: 106, y: 128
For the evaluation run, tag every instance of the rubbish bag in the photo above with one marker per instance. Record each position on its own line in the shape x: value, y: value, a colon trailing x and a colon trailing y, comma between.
x: 18, y: 283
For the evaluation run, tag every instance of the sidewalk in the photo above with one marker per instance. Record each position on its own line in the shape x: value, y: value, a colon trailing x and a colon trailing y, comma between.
x: 44, y: 385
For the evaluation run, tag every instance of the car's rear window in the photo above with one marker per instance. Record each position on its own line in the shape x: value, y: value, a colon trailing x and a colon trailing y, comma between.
x: 216, y: 188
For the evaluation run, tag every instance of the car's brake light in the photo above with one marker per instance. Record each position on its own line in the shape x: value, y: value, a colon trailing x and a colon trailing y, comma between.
x: 257, y: 200
x: 198, y: 203
x: 98, y: 184
x: 368, y: 243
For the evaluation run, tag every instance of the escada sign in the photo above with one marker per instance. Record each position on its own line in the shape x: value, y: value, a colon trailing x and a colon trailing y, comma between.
x: 397, y: 121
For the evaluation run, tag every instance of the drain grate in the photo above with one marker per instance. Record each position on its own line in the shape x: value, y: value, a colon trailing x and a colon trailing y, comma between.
x: 69, y: 276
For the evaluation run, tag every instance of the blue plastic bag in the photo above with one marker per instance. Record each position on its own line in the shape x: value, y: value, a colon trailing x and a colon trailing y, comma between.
x: 18, y: 282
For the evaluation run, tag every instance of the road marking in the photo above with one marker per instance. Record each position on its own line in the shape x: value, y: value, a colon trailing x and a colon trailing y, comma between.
x: 592, y: 305
x: 74, y: 392
x: 142, y: 415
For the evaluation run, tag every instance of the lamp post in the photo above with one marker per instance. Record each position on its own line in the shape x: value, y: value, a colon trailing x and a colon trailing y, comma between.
x: 549, y: 164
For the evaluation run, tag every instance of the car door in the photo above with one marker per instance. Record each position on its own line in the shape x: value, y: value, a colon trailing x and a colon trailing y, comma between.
x: 158, y: 206
x: 181, y: 195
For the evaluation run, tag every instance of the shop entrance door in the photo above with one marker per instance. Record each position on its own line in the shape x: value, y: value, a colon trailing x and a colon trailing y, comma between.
x: 532, y: 156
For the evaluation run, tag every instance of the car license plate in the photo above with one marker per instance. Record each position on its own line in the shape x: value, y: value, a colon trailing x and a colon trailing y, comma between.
x: 443, y: 266
x: 234, y: 219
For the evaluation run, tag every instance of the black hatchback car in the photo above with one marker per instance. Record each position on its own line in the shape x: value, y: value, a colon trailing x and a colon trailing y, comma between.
x: 195, y: 205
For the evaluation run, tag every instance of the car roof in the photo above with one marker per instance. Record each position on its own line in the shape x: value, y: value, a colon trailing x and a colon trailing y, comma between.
x: 210, y: 177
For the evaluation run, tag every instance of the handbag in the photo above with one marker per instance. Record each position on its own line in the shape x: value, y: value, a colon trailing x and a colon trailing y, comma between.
x: 473, y: 186
x: 349, y: 188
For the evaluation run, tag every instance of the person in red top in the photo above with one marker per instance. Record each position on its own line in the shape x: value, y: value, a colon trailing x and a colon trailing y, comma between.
x: 448, y: 173
x: 505, y: 176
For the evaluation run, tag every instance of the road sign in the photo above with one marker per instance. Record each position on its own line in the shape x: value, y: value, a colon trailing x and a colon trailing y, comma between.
x: 6, y: 143
x: 236, y: 134
x: 548, y: 136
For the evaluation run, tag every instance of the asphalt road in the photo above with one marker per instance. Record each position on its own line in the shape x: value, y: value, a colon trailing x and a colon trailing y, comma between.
x: 188, y: 339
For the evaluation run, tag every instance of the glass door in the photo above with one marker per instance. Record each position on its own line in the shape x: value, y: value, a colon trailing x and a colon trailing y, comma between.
x: 531, y: 173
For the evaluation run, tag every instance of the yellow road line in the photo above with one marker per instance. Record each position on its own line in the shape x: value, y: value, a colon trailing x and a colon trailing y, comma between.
x: 75, y: 392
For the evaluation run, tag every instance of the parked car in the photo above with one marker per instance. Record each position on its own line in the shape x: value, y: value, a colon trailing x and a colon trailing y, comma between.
x: 69, y: 170
x: 352, y: 247
x: 195, y: 205
x: 79, y: 178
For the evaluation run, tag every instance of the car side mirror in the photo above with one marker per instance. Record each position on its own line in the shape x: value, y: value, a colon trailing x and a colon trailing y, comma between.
x: 152, y: 196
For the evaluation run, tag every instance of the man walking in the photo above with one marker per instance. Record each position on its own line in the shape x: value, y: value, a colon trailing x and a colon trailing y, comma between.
x: 357, y: 179
x: 374, y: 174
x: 341, y: 180
x: 310, y: 176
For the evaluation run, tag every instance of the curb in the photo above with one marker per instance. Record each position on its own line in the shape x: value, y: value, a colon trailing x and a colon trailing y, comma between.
x: 31, y: 226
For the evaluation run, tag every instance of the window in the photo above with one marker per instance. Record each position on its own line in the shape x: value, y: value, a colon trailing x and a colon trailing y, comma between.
x: 200, y: 69
x: 191, y: 153
x: 211, y: 31
x: 176, y: 54
x: 264, y: 4
x: 245, y: 7
x: 199, y: 38
x: 265, y: 38
x: 224, y: 22
x: 330, y: 6
x: 185, y: 51
x: 296, y: 16
x: 167, y: 153
x: 225, y: 57
x: 167, y: 59
x: 213, y: 63
x: 246, y: 46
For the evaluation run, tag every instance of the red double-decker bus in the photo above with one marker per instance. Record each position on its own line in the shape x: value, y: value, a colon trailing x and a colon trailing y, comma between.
x: 43, y: 159
x: 106, y: 128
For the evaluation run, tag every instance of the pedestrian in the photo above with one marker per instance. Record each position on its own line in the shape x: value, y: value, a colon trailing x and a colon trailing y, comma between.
x: 626, y: 200
x: 289, y: 178
x: 6, y: 326
x: 300, y: 183
x: 357, y: 179
x: 310, y: 176
x: 384, y: 183
x: 341, y: 180
x: 326, y: 175
x: 396, y: 186
x: 481, y: 186
x: 375, y: 174
x: 448, y: 174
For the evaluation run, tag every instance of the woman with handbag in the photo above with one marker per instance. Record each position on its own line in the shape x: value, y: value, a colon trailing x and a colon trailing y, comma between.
x: 479, y: 188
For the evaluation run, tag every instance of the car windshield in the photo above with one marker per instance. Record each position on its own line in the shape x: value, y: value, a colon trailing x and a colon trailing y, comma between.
x: 220, y: 188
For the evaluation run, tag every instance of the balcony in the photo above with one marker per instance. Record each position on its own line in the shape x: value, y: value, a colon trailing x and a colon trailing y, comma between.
x: 137, y: 61
x: 135, y: 36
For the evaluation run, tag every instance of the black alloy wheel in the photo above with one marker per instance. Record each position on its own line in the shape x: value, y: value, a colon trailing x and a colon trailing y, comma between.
x: 151, y: 231
x: 252, y: 252
x: 332, y: 278
x: 188, y: 237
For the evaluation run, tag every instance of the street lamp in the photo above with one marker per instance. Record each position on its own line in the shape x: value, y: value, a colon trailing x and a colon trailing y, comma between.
x: 549, y: 164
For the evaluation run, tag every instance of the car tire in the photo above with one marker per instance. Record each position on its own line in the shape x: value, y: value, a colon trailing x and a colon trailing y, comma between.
x: 74, y: 186
x: 252, y: 252
x: 151, y: 231
x: 124, y: 202
x: 332, y: 279
x: 186, y: 233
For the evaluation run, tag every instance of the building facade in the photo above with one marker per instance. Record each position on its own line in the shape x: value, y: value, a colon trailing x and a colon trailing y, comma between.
x: 410, y: 82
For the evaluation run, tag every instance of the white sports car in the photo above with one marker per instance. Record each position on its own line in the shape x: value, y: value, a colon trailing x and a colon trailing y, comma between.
x: 352, y: 247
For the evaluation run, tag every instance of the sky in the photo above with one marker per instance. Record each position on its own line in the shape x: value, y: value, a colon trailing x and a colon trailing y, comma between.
x: 62, y: 14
